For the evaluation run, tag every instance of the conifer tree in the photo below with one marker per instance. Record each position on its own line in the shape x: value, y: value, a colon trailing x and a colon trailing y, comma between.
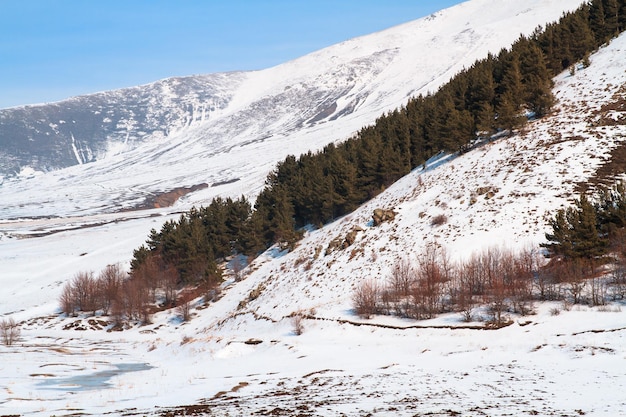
x: 587, y: 242
x: 611, y: 17
x: 482, y: 95
x: 581, y: 38
x: 536, y: 78
x: 597, y: 22
x: 561, y: 237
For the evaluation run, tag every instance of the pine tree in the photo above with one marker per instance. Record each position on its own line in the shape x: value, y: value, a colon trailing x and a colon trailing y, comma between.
x: 581, y: 37
x: 509, y: 92
x: 482, y: 95
x: 536, y: 79
x: 611, y: 17
x: 561, y: 237
x: 587, y: 242
x: 508, y: 112
x: 597, y: 22
x: 611, y: 210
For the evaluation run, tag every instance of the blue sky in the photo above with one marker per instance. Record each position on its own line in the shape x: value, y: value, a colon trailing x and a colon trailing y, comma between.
x: 54, y: 49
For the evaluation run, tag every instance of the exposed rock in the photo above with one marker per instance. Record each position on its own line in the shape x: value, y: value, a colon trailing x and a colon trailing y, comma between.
x: 382, y: 215
x: 333, y: 245
x: 338, y: 243
x: 168, y: 198
x: 350, y: 238
x: 489, y: 191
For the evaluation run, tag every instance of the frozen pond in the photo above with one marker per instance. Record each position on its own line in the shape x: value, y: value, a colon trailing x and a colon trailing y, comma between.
x: 94, y: 381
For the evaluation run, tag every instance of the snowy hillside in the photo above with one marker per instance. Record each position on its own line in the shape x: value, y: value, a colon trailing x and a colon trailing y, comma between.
x: 236, y: 359
x: 244, y: 359
x: 263, y: 116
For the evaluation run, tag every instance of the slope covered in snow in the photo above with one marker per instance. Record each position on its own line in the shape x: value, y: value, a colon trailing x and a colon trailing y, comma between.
x: 263, y: 116
x: 237, y: 358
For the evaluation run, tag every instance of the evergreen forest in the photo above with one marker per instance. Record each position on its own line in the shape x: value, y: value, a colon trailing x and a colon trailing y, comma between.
x: 497, y: 94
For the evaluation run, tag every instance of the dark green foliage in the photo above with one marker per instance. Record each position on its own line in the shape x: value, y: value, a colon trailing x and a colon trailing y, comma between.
x: 194, y: 244
x: 611, y: 210
x: 585, y: 231
x: 492, y: 95
x: 586, y: 239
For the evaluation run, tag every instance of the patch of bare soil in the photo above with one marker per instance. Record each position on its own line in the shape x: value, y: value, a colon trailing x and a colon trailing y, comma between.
x: 168, y: 198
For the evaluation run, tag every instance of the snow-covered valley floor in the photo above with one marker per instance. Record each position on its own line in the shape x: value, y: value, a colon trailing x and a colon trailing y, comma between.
x: 241, y: 360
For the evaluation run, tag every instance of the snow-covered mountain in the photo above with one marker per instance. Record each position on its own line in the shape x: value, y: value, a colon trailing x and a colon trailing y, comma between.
x: 233, y: 128
x: 89, y: 128
x: 242, y: 359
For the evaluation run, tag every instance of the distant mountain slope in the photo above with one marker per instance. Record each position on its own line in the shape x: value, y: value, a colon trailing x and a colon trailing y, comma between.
x: 88, y: 128
x: 233, y: 128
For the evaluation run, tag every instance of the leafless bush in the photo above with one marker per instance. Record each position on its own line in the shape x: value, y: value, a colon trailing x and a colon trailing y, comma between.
x: 80, y: 294
x: 297, y: 322
x: 598, y: 291
x: 9, y: 331
x: 184, y: 306
x: 169, y: 280
x: 67, y: 299
x: 433, y: 270
x: 402, y: 277
x: 110, y: 282
x: 617, y: 282
x: 438, y: 220
x: 238, y: 265
x: 85, y: 291
x: 365, y: 299
x: 576, y: 287
x: 135, y: 294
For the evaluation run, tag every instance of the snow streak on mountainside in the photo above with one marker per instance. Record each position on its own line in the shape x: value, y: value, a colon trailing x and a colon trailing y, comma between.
x: 244, y: 123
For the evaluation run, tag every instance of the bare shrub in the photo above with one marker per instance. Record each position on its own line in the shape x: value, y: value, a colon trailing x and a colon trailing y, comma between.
x: 238, y: 265
x: 67, y: 299
x: 169, y: 280
x: 81, y: 294
x: 598, y: 291
x: 9, y: 331
x: 365, y: 299
x: 546, y: 286
x: 135, y: 295
x: 184, y: 306
x: 576, y: 287
x: 402, y: 277
x: 297, y: 323
x: 461, y: 295
x: 618, y: 282
x: 85, y: 291
x: 438, y: 220
x: 110, y: 281
x: 433, y: 270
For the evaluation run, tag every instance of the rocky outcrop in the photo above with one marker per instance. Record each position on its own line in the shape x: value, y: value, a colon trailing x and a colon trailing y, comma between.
x: 339, y: 244
x: 382, y: 216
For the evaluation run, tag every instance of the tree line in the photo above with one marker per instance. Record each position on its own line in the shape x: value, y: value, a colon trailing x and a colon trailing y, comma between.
x: 496, y: 94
